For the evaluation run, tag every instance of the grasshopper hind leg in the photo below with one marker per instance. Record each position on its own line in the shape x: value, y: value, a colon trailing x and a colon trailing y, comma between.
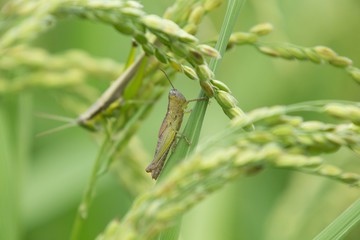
x: 155, y: 167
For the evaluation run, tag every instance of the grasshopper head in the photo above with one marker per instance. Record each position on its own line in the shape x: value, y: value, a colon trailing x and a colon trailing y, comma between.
x: 176, y: 96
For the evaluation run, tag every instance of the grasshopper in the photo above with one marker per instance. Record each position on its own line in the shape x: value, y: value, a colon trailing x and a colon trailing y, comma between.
x: 169, y: 129
x: 111, y: 94
x: 114, y: 92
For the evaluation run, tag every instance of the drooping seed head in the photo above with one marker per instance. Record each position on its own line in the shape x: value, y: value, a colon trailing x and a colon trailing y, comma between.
x: 210, y: 51
x: 191, y: 28
x: 225, y: 99
x: 207, y: 88
x: 190, y: 73
x: 220, y: 85
x: 204, y: 73
x: 210, y: 5
x: 161, y: 56
x: 243, y: 37
x: 284, y: 53
x: 196, y: 15
x: 351, y: 178
x: 340, y: 61
x: 269, y: 51
x: 296, y: 52
x: 355, y: 73
x: 336, y: 110
x: 312, y: 55
x: 262, y: 29
x: 330, y: 170
x: 175, y: 64
x: 325, y: 52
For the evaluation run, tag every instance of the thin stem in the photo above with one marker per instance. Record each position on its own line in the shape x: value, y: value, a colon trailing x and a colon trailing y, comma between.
x: 231, y: 16
x: 85, y: 202
x: 115, y: 89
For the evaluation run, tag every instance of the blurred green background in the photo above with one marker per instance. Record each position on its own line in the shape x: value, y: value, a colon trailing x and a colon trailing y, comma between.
x: 275, y: 204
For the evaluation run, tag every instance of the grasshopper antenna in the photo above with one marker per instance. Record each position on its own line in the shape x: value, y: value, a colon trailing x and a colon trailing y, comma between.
x: 54, y: 117
x: 167, y: 77
x: 70, y: 123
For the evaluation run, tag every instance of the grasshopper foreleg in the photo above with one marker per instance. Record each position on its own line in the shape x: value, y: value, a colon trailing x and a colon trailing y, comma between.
x: 197, y: 99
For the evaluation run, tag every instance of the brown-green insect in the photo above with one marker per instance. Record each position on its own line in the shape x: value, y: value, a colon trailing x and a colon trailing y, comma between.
x: 113, y: 93
x: 169, y: 129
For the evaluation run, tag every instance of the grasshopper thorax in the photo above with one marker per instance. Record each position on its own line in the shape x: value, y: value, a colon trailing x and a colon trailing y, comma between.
x: 176, y: 96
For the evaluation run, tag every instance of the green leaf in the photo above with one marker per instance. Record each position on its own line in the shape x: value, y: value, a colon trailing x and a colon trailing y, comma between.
x: 343, y: 224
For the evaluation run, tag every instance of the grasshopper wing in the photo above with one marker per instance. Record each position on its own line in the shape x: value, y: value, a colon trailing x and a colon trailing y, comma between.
x: 164, y: 143
x: 164, y: 124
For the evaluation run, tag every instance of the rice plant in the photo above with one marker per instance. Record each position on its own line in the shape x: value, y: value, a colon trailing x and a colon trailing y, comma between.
x: 269, y: 151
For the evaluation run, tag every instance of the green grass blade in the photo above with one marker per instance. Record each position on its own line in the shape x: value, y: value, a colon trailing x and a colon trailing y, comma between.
x: 194, y: 124
x: 133, y: 88
x: 232, y: 14
x: 343, y: 224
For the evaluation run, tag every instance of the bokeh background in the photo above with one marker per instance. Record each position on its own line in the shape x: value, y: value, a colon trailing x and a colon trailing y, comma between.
x: 274, y: 204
